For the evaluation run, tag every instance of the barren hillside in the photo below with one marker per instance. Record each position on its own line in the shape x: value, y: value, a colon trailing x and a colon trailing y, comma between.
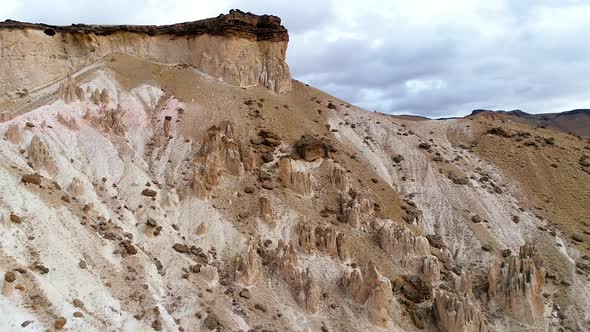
x: 184, y: 182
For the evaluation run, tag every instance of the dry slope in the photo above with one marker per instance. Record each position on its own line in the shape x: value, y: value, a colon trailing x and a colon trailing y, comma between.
x: 145, y: 195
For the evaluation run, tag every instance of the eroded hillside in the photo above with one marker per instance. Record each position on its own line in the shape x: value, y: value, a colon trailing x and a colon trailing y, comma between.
x: 142, y: 195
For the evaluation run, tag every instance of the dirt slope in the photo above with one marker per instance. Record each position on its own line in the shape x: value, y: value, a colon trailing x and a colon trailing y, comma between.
x: 141, y: 196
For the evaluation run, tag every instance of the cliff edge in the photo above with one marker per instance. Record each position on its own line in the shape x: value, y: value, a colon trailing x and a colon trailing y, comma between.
x: 238, y: 48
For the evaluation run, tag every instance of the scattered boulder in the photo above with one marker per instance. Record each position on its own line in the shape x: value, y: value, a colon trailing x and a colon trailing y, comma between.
x: 15, y: 219
x: 577, y: 237
x: 8, y: 287
x: 181, y: 248
x: 201, y: 229
x: 260, y: 307
x: 424, y: 145
x: 269, y: 138
x: 31, y: 178
x: 211, y: 322
x: 76, y: 188
x: 9, y: 276
x: 311, y: 148
x: 245, y: 293
x: 409, y: 250
x: 398, y: 158
x: 149, y: 192
x: 60, y: 323
x: 416, y: 289
x: 78, y: 303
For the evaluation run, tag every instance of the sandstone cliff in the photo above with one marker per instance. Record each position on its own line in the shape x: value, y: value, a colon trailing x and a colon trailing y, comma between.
x: 239, y: 48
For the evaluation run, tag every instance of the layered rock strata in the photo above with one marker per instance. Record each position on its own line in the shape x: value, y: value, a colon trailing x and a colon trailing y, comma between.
x: 239, y: 48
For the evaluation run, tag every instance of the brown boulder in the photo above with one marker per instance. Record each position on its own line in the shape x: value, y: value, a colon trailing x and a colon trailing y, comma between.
x: 416, y: 289
x: 149, y: 192
x: 60, y: 323
x: 311, y: 148
x: 181, y: 248
x: 10, y: 276
x: 31, y: 178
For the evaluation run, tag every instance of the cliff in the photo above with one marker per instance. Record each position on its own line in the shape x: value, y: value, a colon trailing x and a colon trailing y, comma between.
x: 238, y: 48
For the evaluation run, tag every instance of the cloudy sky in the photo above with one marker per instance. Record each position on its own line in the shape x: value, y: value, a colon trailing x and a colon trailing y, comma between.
x: 427, y: 57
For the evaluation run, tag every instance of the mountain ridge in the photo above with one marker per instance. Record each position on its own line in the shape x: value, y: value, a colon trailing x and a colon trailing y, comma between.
x: 236, y: 24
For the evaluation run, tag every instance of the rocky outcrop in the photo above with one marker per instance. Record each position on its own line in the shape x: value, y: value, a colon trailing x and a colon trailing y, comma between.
x: 8, y: 285
x: 167, y: 126
x: 265, y: 211
x: 247, y: 267
x: 302, y: 284
x: 516, y: 284
x: 410, y: 251
x: 69, y: 92
x: 322, y: 239
x: 343, y: 247
x: 355, y: 208
x: 76, y: 188
x: 198, y: 188
x: 288, y: 262
x: 306, y: 238
x: 170, y: 199
x: 13, y: 133
x: 339, y: 178
x: 298, y: 179
x: 40, y: 157
x: 210, y: 275
x: 400, y: 242
x: 311, y: 148
x: 221, y: 152
x: 458, y: 311
x: 110, y: 120
x: 370, y: 288
x: 67, y: 121
x: 239, y: 48
x: 326, y: 240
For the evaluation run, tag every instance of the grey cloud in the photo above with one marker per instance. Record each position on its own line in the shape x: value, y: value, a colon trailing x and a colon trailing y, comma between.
x: 525, y: 54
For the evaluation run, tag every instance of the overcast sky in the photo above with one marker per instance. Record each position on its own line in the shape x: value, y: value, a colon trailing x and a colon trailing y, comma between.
x: 426, y: 57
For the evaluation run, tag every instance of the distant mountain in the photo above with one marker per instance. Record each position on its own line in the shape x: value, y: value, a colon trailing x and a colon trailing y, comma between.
x: 576, y: 121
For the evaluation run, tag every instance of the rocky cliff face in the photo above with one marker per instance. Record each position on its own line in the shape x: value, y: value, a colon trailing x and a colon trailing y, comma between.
x: 516, y: 284
x: 140, y: 195
x: 239, y: 48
